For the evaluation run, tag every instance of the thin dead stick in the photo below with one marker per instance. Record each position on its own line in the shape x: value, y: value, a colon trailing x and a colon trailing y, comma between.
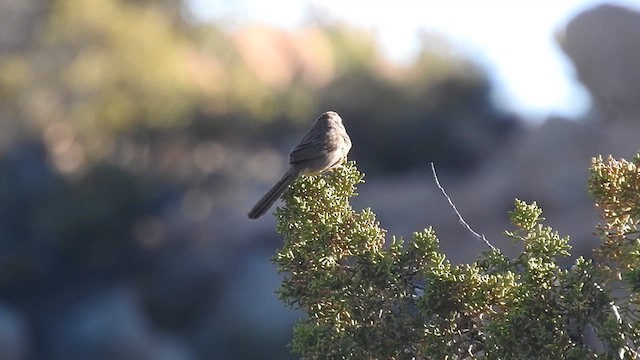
x: 455, y: 209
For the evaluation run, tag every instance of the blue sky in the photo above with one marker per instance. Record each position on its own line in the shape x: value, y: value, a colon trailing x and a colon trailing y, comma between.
x: 512, y: 39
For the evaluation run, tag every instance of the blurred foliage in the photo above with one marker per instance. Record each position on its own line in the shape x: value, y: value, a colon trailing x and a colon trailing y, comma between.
x: 111, y: 72
x: 435, y: 110
x: 102, y: 67
x: 405, y: 300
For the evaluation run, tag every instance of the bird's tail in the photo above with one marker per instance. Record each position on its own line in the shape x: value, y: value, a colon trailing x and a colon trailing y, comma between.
x: 273, y: 194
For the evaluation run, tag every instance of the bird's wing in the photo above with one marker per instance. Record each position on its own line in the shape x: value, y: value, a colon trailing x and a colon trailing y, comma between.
x: 318, y: 142
x: 306, y: 151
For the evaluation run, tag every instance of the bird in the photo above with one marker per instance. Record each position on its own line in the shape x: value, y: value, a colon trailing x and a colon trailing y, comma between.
x: 324, y: 147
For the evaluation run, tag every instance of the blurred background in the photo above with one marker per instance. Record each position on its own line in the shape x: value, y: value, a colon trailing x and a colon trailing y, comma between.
x: 136, y: 135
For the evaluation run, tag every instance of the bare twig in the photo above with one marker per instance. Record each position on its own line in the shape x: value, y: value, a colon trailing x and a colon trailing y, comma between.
x: 453, y: 206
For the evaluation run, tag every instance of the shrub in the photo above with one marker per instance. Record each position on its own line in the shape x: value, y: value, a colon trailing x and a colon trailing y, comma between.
x: 367, y: 296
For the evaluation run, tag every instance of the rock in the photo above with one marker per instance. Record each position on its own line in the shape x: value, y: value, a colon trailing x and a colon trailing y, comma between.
x: 604, y: 45
x: 14, y: 334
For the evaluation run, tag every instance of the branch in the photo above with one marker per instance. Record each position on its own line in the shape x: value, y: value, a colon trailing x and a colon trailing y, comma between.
x: 464, y: 223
